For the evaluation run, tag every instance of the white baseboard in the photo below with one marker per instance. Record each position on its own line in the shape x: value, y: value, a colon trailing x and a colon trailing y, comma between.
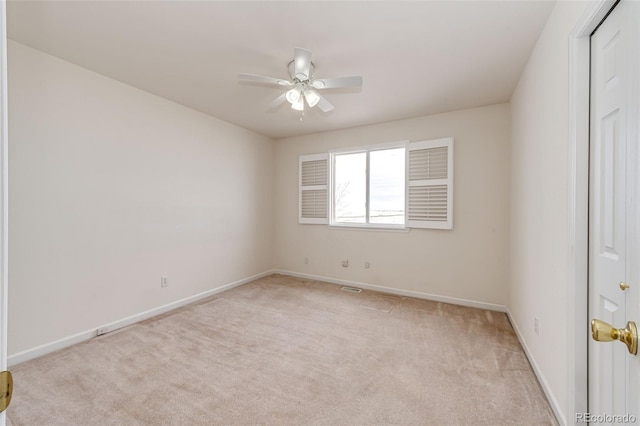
x: 112, y: 326
x: 555, y: 406
x: 397, y: 291
x: 124, y: 322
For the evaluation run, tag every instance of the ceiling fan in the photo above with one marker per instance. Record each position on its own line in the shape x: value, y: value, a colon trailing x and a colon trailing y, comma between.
x: 302, y: 86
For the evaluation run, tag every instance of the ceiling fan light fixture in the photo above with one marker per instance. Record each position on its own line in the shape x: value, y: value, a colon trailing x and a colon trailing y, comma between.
x: 312, y: 97
x: 302, y: 87
x: 293, y: 95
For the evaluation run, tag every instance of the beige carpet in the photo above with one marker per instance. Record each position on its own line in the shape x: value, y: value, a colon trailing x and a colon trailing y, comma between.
x: 284, y: 351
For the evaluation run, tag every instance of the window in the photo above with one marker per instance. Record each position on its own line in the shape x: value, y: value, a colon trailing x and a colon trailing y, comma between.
x: 369, y: 186
x: 392, y: 186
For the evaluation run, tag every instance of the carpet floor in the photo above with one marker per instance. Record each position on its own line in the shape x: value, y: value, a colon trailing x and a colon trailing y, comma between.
x: 286, y: 351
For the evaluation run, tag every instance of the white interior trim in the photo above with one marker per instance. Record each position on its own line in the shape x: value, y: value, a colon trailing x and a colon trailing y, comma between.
x: 124, y: 322
x: 4, y: 196
x: 4, y: 188
x: 578, y: 209
x: 396, y: 291
x: 553, y: 402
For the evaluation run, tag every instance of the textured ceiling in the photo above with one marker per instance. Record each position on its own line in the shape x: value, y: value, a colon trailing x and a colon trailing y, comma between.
x: 416, y: 58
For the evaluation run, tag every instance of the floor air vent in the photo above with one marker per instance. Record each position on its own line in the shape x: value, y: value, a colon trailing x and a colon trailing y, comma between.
x: 351, y: 289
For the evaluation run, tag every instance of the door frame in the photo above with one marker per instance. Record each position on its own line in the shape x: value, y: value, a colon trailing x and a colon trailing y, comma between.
x: 578, y: 207
x: 4, y: 195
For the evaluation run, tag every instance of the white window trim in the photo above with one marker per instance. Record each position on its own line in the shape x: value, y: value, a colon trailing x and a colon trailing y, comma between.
x: 332, y: 170
x: 371, y: 226
x: 409, y: 224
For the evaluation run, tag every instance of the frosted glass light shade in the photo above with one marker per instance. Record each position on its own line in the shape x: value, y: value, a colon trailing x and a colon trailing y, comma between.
x: 312, y: 97
x: 299, y: 104
x: 293, y: 95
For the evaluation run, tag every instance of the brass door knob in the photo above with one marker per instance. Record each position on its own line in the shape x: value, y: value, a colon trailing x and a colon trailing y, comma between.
x: 623, y: 286
x: 603, y: 332
x: 6, y: 389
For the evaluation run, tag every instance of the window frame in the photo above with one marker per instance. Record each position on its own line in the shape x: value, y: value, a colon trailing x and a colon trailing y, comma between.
x: 429, y: 207
x: 366, y: 149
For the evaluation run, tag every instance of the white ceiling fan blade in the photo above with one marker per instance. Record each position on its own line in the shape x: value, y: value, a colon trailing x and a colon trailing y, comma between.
x: 302, y: 63
x: 277, y: 101
x: 324, y: 105
x: 264, y: 79
x: 338, y: 82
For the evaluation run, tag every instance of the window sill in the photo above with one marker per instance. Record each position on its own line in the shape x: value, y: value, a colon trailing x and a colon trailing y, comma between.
x: 356, y: 227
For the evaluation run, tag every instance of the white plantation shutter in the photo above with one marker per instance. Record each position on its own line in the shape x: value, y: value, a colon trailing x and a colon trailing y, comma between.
x: 313, y: 193
x: 430, y: 184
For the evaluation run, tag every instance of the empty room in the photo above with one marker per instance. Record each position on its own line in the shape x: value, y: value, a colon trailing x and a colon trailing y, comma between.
x: 320, y: 212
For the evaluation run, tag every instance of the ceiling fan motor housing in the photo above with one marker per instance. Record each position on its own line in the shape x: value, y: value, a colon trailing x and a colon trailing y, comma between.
x: 300, y: 78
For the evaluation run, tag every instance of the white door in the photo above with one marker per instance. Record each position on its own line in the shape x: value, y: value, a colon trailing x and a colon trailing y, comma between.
x: 613, y: 224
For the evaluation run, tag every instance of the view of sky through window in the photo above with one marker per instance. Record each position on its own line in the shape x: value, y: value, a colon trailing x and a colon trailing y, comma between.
x: 386, y: 187
x: 350, y: 196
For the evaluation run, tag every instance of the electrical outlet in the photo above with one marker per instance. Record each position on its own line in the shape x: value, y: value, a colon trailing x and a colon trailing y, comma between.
x: 164, y: 282
x: 536, y: 325
x: 367, y: 265
x: 345, y: 263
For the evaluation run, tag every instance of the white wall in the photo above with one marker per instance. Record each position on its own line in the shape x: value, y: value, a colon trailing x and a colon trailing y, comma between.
x: 112, y: 188
x: 469, y: 262
x: 539, y: 231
